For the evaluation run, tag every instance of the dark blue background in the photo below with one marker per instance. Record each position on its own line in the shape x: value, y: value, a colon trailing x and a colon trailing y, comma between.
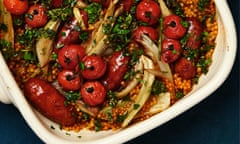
x: 213, y: 121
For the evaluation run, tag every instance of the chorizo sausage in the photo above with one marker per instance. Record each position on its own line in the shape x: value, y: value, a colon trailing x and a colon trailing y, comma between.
x: 117, y: 67
x: 185, y: 68
x: 46, y: 99
x: 195, y: 31
x: 69, y: 34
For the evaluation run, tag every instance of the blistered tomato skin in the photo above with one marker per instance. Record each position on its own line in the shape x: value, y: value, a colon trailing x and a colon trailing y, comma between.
x: 16, y: 7
x: 69, y: 80
x: 93, y: 93
x: 70, y: 55
x: 185, y: 68
x: 36, y: 16
x: 94, y: 67
x: 195, y: 31
x: 116, y: 69
x: 48, y: 101
x: 147, y: 30
x: 173, y: 28
x: 171, y: 50
x: 148, y: 11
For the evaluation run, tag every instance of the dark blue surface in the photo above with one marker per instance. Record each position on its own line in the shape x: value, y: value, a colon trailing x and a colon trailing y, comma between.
x: 213, y: 121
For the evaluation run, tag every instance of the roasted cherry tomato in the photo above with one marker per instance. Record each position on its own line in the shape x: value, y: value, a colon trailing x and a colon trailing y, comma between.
x: 127, y: 4
x: 36, y: 16
x: 185, y: 68
x: 69, y: 80
x: 93, y: 93
x: 170, y: 50
x: 148, y: 11
x: 16, y: 7
x: 56, y: 3
x: 147, y: 30
x: 173, y: 28
x: 70, y: 55
x: 104, y: 3
x: 94, y: 67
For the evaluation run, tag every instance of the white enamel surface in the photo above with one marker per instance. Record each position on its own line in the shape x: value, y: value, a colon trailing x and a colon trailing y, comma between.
x: 223, y: 60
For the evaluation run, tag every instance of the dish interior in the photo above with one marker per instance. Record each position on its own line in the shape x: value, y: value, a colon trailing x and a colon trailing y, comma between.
x: 50, y: 132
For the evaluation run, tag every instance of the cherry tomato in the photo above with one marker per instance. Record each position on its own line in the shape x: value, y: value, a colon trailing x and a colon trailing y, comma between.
x: 94, y: 67
x: 16, y: 7
x: 36, y: 16
x: 127, y: 4
x: 69, y: 80
x: 104, y: 3
x: 93, y: 93
x: 147, y: 30
x: 170, y: 50
x: 56, y: 3
x: 70, y: 55
x: 173, y: 28
x: 148, y: 11
x: 185, y: 68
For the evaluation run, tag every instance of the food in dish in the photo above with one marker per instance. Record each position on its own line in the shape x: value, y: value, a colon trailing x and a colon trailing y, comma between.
x: 106, y: 65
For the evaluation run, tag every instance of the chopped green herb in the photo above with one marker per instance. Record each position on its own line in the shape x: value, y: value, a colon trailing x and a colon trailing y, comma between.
x: 129, y: 75
x: 179, y: 94
x: 202, y: 4
x: 6, y: 48
x: 93, y: 10
x: 60, y: 13
x: 135, y: 54
x: 120, y: 118
x: 98, y: 125
x: 112, y: 98
x: 185, y: 24
x: 29, y: 56
x: 72, y: 96
x: 83, y: 36
x: 81, y: 65
x: 85, y: 116
x: 136, y: 106
x: 158, y: 87
x: 3, y: 27
x: 184, y: 40
x: 203, y: 64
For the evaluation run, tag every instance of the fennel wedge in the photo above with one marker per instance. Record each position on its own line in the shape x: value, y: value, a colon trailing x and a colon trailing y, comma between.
x: 44, y: 45
x: 144, y: 92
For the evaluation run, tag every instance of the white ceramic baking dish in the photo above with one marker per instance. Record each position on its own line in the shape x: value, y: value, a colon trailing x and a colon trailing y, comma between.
x: 223, y: 60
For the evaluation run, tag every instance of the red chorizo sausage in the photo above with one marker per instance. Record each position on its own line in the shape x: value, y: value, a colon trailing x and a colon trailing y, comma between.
x: 69, y: 34
x: 117, y: 67
x: 48, y: 101
x: 195, y: 31
x: 185, y: 68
